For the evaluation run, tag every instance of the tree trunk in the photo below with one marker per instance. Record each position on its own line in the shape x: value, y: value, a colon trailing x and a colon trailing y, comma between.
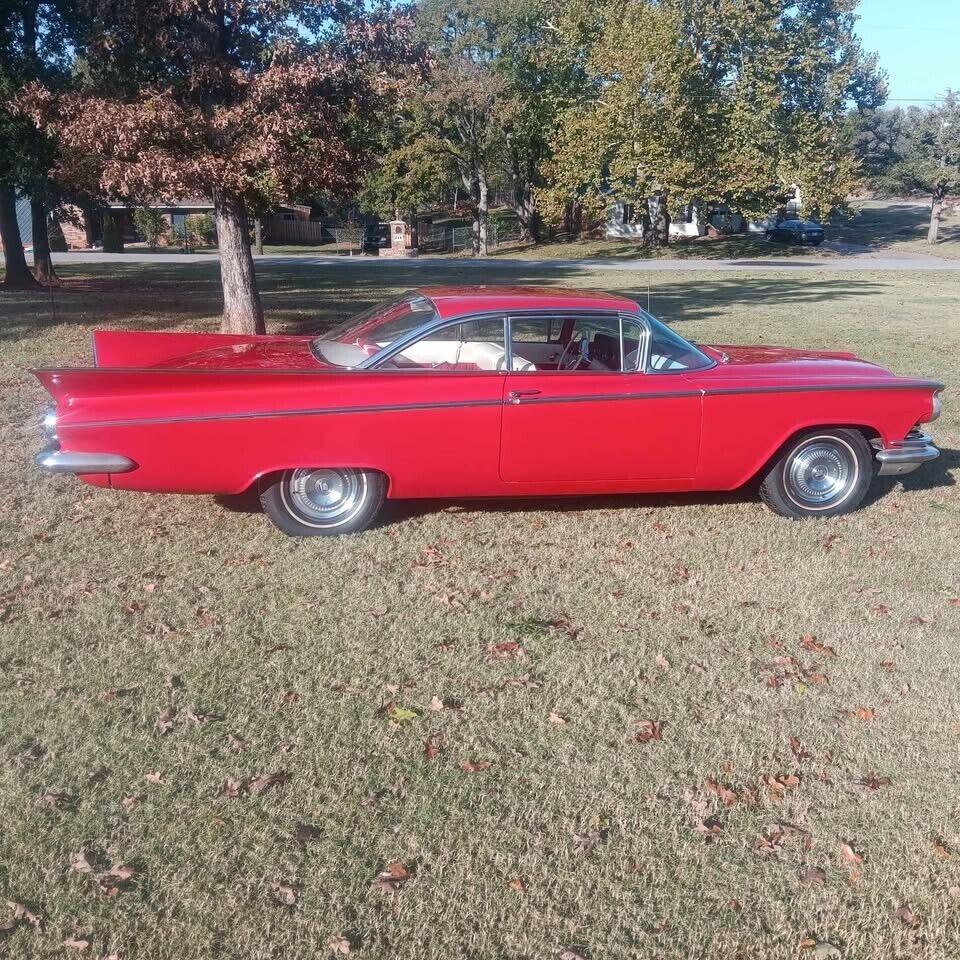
x: 483, y: 212
x: 18, y: 276
x: 42, y: 262
x: 659, y: 219
x: 936, y: 213
x: 414, y: 229
x: 242, y: 310
x: 258, y: 236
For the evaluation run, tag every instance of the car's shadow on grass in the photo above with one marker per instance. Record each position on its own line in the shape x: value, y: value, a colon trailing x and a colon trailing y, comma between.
x: 938, y: 473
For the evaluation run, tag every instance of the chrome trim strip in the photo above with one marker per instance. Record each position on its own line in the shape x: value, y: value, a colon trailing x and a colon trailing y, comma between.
x: 54, y: 460
x: 296, y: 412
x: 820, y: 387
x: 441, y: 405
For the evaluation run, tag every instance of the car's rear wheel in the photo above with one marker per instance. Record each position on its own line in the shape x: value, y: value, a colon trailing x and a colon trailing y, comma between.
x: 822, y: 473
x: 324, y: 501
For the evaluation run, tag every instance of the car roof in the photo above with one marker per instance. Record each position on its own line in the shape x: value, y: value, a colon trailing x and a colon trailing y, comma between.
x: 455, y: 301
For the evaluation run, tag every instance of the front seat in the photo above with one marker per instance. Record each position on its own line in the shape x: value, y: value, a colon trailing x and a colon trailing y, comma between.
x: 489, y: 356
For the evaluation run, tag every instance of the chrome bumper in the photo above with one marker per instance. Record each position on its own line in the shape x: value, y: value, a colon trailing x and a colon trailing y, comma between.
x: 904, y: 456
x: 51, y: 459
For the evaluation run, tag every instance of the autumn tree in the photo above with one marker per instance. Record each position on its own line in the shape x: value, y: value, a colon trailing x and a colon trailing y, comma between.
x: 247, y: 102
x: 687, y: 100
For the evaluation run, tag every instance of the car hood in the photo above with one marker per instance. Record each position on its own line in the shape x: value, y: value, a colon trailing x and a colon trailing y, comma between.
x: 266, y: 353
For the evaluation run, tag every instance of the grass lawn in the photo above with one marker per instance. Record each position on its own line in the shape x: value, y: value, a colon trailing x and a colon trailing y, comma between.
x: 899, y: 225
x: 612, y: 728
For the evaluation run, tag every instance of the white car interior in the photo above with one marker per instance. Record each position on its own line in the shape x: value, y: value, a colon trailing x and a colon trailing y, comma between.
x: 483, y: 355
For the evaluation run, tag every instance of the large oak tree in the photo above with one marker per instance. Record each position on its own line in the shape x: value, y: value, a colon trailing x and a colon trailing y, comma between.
x: 247, y: 102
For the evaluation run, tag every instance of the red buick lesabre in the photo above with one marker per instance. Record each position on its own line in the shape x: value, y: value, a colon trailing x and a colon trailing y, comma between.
x: 481, y: 392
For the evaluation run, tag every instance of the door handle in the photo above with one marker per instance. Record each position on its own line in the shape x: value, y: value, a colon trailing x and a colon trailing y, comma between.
x: 515, y: 396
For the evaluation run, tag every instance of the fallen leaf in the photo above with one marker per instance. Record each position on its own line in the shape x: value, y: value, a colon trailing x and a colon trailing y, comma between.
x: 556, y: 718
x: 662, y: 662
x: 436, y: 704
x: 872, y: 782
x: 53, y: 801
x: 864, y: 713
x: 400, y: 714
x: 907, y: 917
x: 230, y: 788
x: 79, y: 862
x: 21, y: 914
x: 129, y: 802
x: 78, y: 945
x: 165, y: 721
x: 771, y: 842
x: 648, y: 730
x: 339, y: 944
x: 814, y: 876
x: 235, y: 743
x: 587, y: 842
x: 433, y: 745
x: 505, y: 649
x: 849, y: 855
x: 516, y: 884
x: 811, y: 643
x: 266, y: 781
x: 155, y: 777
x: 571, y: 955
x: 283, y: 893
x: 799, y: 749
x: 390, y: 878
x: 475, y: 766
x: 724, y: 794
x: 289, y: 696
x: 942, y: 850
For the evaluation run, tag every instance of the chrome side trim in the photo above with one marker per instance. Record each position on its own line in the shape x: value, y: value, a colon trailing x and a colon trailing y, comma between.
x: 54, y: 460
x: 296, y: 412
x: 441, y: 405
x: 904, y: 456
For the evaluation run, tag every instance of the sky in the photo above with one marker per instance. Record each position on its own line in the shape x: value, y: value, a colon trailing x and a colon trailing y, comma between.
x: 918, y: 42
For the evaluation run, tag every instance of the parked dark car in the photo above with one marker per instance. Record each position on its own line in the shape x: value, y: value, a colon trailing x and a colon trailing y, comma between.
x: 376, y: 237
x: 796, y: 231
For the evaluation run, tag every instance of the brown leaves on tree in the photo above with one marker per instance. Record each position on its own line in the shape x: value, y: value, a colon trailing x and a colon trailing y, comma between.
x: 391, y: 878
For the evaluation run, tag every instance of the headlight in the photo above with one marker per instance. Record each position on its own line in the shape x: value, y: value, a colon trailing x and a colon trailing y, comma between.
x: 935, y: 411
x: 50, y: 423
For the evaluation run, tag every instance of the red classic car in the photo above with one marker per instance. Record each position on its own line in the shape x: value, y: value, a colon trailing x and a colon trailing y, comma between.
x: 480, y: 392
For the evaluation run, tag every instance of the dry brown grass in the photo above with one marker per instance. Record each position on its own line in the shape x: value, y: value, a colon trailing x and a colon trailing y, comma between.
x: 758, y: 747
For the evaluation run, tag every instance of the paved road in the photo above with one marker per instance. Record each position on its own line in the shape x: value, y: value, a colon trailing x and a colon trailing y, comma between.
x: 851, y: 258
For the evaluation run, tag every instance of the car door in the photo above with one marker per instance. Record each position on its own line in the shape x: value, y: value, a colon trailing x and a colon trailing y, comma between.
x: 603, y: 419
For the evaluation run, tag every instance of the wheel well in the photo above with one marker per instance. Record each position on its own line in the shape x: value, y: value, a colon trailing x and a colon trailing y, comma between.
x: 869, y: 433
x: 263, y: 480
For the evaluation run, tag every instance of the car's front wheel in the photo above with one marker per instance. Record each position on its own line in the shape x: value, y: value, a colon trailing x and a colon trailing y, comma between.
x: 822, y: 473
x: 324, y: 501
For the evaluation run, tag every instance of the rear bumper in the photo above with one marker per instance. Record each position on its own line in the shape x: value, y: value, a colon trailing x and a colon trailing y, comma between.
x: 51, y: 459
x: 904, y: 456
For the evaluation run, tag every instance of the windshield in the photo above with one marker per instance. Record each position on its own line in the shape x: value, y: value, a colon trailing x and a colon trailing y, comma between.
x: 669, y: 351
x: 369, y: 332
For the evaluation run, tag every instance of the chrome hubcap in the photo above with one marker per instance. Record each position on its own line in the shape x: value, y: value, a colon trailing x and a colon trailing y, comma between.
x: 324, y: 497
x: 821, y: 472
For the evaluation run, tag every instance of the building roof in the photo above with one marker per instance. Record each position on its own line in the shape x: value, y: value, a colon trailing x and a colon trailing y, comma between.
x: 454, y: 301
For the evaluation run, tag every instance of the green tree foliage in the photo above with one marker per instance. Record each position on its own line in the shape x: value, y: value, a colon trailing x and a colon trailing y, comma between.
x: 912, y: 151
x: 689, y: 99
x: 151, y: 225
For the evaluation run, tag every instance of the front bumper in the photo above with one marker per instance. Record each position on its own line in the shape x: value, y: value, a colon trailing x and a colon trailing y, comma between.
x: 904, y: 456
x: 51, y: 459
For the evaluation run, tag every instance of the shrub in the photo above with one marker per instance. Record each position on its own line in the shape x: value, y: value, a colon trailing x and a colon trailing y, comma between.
x: 150, y: 224
x: 112, y: 235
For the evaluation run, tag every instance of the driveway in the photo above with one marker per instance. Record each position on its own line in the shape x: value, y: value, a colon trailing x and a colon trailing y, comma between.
x: 852, y: 257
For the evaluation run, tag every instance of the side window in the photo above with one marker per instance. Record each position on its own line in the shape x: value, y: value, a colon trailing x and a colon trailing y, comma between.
x: 633, y: 334
x: 468, y: 346
x: 565, y: 344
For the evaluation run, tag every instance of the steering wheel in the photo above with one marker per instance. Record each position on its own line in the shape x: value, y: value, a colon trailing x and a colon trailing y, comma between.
x: 575, y: 360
